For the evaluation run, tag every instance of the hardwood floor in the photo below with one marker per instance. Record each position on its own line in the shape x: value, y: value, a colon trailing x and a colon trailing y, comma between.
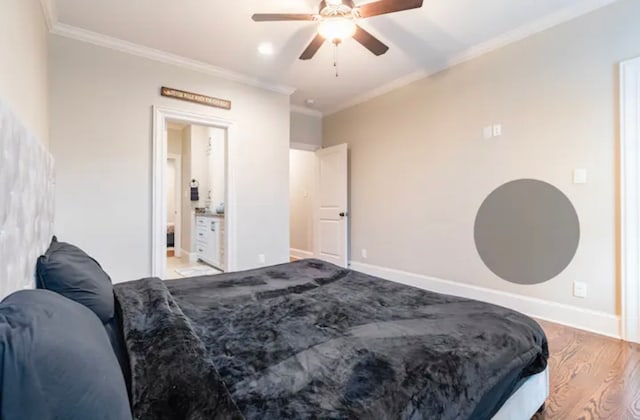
x: 592, y: 376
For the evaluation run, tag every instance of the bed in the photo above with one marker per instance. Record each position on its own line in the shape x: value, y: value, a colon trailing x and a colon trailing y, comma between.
x: 311, y: 340
x: 299, y: 340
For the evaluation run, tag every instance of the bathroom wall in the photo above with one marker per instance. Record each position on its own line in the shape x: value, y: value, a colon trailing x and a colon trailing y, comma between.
x: 174, y: 146
x: 217, y: 166
x: 174, y: 141
x: 199, y: 137
x: 186, y: 199
x: 171, y: 187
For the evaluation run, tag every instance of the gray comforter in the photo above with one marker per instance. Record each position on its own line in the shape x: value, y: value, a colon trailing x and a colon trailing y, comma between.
x: 310, y: 340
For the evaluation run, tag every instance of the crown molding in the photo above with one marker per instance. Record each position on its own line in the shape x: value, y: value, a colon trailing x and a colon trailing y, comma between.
x: 518, y: 34
x: 306, y: 111
x: 68, y: 31
x: 49, y: 12
x: 131, y: 48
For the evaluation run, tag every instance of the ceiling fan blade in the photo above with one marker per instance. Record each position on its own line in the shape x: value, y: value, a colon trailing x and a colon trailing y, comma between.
x: 313, y: 48
x: 275, y: 17
x: 370, y: 42
x: 383, y: 7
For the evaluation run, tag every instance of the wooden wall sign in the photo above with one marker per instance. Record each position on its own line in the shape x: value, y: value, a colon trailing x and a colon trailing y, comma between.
x: 196, y: 98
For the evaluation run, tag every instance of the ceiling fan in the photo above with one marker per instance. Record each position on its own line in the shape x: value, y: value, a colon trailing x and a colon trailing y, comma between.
x: 337, y: 21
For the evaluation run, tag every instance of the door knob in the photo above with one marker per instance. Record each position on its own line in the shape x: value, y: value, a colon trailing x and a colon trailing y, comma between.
x: 342, y: 214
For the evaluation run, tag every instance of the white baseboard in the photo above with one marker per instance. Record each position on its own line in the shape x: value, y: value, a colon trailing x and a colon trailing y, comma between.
x: 300, y: 254
x: 572, y: 316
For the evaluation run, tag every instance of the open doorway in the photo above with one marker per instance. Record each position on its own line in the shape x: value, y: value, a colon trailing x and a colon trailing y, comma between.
x: 302, y: 185
x: 199, y: 194
x: 318, y: 192
x: 192, y: 196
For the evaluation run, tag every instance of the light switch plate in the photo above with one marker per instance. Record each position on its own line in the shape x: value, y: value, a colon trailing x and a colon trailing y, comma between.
x: 580, y: 176
x: 488, y: 132
x: 579, y: 289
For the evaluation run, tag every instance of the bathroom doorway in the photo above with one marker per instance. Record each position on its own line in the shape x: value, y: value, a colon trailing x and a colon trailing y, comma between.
x: 192, y: 234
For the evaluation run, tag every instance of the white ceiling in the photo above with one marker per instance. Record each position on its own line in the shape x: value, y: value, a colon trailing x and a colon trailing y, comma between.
x: 221, y: 33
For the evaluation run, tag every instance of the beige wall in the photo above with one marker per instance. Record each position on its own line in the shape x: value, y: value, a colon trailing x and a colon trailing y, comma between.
x: 306, y: 129
x: 24, y: 85
x: 420, y: 168
x: 301, y: 193
x: 103, y: 186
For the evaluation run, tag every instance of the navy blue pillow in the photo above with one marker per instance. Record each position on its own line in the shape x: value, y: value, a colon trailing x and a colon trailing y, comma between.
x: 68, y: 270
x: 57, y: 362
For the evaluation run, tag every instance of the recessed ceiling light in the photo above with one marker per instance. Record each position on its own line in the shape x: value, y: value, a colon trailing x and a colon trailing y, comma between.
x: 266, y: 48
x: 310, y: 102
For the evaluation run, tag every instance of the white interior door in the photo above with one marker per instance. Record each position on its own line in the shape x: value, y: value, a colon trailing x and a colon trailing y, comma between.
x: 331, y: 212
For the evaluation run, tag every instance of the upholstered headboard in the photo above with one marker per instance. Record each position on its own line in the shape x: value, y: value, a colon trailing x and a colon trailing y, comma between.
x: 26, y: 203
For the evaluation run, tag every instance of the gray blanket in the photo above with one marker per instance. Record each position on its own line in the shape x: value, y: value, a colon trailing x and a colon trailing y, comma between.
x: 310, y: 340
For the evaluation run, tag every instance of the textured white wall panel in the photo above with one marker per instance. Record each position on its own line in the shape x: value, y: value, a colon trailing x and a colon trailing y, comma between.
x: 26, y: 203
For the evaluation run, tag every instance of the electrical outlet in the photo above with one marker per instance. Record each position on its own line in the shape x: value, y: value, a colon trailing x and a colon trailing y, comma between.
x: 497, y: 130
x: 579, y: 289
x: 261, y: 259
x: 364, y: 253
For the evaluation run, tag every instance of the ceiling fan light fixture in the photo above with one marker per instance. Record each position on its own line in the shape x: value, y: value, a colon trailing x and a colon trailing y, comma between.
x: 337, y: 29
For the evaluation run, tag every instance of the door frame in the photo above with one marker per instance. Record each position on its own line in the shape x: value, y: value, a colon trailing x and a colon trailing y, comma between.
x: 630, y: 198
x: 161, y: 116
x: 177, y: 237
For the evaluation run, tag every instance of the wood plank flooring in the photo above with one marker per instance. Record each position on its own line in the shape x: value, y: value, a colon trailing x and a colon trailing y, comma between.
x: 592, y: 376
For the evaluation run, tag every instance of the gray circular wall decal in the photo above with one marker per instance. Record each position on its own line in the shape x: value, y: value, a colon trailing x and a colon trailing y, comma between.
x: 527, y: 231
